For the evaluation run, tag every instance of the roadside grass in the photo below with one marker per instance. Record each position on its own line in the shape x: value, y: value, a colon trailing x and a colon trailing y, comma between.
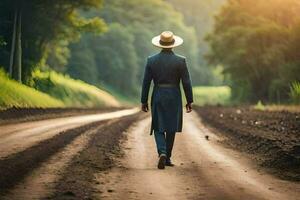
x: 212, y: 95
x: 295, y: 92
x: 260, y: 106
x: 276, y: 107
x: 14, y: 94
x: 123, y: 99
x: 74, y: 93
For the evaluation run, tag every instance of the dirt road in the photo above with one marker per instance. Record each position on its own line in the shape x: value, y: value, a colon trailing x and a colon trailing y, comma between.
x: 204, y: 170
x: 107, y: 160
x: 32, y: 153
x: 17, y: 137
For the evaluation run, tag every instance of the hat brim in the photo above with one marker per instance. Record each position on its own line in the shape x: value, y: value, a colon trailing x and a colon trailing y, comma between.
x: 178, y: 42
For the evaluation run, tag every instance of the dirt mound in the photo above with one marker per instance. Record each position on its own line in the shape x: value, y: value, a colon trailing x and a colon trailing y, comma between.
x: 272, y: 138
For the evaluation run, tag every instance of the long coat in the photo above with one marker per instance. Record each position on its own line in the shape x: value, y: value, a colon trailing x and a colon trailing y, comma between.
x: 166, y: 69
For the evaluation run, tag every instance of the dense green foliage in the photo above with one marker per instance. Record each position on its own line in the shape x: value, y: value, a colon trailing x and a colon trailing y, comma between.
x: 74, y: 93
x: 258, y: 43
x: 15, y: 94
x: 200, y: 16
x: 118, y: 57
x: 51, y: 31
x: 47, y: 27
x: 106, y: 60
x: 255, y: 44
x: 209, y: 95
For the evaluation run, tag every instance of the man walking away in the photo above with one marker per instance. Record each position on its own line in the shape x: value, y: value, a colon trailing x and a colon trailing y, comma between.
x: 166, y: 69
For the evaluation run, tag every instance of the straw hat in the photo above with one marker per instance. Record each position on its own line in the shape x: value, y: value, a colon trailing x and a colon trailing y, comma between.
x: 167, y: 40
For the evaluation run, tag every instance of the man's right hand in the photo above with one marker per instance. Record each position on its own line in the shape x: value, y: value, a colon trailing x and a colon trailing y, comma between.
x: 189, y: 107
x: 145, y: 107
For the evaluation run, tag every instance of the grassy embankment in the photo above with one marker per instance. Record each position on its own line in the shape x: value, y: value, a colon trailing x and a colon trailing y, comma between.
x: 52, y: 90
x: 212, y: 95
x: 74, y: 93
x: 15, y: 94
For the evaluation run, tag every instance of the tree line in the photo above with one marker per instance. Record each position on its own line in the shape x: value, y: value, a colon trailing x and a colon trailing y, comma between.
x: 103, y: 43
x: 118, y: 56
x: 106, y: 43
x: 258, y: 44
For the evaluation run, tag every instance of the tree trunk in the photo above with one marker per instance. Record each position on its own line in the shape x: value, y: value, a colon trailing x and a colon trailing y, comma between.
x: 16, y: 56
x: 19, y: 48
x: 13, y: 44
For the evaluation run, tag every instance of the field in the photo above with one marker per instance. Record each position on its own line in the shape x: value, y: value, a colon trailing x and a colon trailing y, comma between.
x: 270, y: 138
x: 210, y: 95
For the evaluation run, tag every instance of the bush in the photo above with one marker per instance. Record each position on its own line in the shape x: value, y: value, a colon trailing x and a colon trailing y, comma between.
x: 260, y: 106
x: 295, y: 92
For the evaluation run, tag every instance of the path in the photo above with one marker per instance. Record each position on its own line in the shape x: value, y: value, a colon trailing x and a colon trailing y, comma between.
x: 204, y: 170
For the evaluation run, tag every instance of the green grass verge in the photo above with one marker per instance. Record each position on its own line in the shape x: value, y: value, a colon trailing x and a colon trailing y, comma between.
x: 295, y: 92
x: 14, y: 94
x: 211, y: 95
x: 74, y: 93
x: 125, y: 100
x: 276, y: 107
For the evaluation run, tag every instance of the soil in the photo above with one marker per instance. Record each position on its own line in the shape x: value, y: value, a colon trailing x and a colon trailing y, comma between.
x: 271, y: 138
x: 16, y: 166
x: 77, y: 181
x: 204, y: 170
x: 115, y: 158
x: 32, y: 166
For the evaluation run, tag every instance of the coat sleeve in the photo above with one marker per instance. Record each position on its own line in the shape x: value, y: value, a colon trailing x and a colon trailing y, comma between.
x: 186, y: 83
x: 146, y: 83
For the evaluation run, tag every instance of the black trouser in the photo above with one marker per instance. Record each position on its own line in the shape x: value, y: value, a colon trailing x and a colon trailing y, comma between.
x: 164, y: 143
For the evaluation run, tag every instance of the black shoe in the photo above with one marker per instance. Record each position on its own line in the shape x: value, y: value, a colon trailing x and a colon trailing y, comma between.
x: 162, y: 161
x: 169, y: 163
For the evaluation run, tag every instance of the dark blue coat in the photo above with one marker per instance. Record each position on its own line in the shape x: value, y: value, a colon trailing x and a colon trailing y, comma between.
x: 166, y: 69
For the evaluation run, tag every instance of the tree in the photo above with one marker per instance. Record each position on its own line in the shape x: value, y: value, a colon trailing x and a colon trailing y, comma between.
x: 116, y: 59
x: 83, y: 62
x: 199, y: 15
x: 136, y: 28
x: 15, y: 63
x: 44, y: 23
x: 255, y: 41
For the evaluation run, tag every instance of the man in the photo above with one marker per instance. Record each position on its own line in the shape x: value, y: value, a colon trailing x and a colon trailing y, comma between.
x: 166, y: 69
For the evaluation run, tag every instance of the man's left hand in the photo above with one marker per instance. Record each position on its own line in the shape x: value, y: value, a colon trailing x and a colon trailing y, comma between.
x: 145, y: 107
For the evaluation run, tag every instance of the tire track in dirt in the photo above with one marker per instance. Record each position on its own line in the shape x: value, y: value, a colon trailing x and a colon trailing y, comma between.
x: 40, y: 181
x: 15, y: 167
x: 77, y: 180
x: 18, y: 137
x: 40, y: 168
